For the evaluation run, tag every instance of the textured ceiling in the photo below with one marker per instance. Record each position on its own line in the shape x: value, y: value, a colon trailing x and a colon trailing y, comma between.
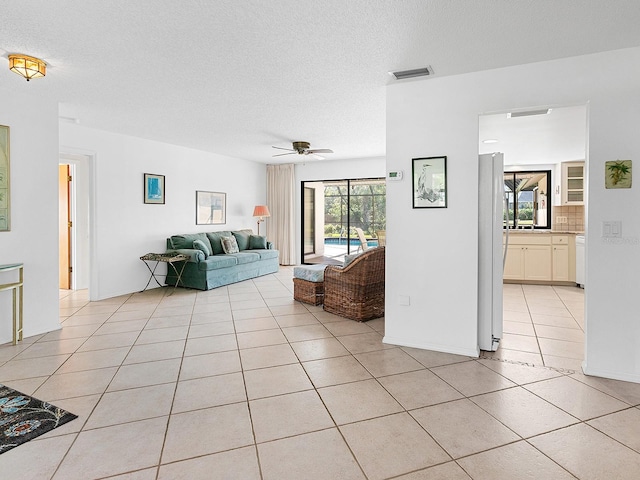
x: 559, y: 136
x: 237, y: 76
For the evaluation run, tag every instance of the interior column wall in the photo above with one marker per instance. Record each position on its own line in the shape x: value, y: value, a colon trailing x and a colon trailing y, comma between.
x: 33, y: 239
x: 439, y: 116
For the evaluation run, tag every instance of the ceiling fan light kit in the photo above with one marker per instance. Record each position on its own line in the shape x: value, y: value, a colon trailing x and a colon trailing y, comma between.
x: 303, y: 148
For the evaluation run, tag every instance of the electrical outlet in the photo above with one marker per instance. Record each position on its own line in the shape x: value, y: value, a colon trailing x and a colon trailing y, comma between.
x: 404, y: 300
x: 561, y: 220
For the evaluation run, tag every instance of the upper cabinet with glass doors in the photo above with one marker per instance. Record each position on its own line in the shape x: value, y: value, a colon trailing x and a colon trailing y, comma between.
x: 573, y: 183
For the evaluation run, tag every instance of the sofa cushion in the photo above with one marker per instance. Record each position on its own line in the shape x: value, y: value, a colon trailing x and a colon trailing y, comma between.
x: 200, y: 245
x: 229, y: 244
x: 310, y: 273
x: 186, y: 240
x: 245, y: 257
x: 264, y: 254
x: 257, y: 242
x: 216, y: 244
x: 242, y: 237
x: 217, y: 261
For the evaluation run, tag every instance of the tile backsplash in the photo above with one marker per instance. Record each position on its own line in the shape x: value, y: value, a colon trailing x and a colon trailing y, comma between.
x: 575, y: 218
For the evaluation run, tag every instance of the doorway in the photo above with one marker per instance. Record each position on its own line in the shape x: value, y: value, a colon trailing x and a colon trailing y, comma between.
x: 73, y: 221
x: 543, y: 320
x: 64, y: 227
x: 334, y: 211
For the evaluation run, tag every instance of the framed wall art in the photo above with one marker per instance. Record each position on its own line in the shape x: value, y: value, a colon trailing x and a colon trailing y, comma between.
x: 618, y: 174
x: 211, y: 208
x: 153, y: 188
x: 5, y: 195
x: 429, y: 182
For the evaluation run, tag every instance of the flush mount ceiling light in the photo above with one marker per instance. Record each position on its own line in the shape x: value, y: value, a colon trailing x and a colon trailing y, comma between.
x: 416, y: 72
x: 529, y: 113
x: 28, y: 67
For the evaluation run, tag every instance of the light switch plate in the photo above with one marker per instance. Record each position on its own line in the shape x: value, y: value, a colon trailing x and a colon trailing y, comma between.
x: 612, y: 229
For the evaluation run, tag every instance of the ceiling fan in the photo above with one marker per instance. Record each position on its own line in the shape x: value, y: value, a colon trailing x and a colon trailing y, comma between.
x: 302, y: 148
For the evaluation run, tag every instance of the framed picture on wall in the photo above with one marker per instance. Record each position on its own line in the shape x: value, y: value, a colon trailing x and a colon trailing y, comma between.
x: 429, y: 182
x: 211, y: 208
x: 153, y: 188
x: 5, y: 196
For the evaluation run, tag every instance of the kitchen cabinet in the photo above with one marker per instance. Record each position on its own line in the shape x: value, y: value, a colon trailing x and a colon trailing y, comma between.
x: 573, y: 183
x: 514, y: 266
x: 540, y: 257
x: 537, y: 262
x: 564, y: 258
x: 528, y: 258
x: 560, y: 263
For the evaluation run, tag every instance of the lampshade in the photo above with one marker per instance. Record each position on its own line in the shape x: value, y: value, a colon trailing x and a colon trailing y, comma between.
x: 28, y: 67
x: 261, y: 211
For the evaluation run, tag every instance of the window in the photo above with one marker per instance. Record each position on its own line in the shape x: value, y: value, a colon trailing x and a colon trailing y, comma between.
x: 528, y: 196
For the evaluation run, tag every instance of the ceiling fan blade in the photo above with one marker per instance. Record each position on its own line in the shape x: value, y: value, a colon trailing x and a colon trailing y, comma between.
x: 280, y: 148
x: 281, y: 154
x: 320, y: 150
x: 316, y: 156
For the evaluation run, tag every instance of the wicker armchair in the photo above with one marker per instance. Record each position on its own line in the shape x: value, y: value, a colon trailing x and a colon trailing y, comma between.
x: 357, y: 290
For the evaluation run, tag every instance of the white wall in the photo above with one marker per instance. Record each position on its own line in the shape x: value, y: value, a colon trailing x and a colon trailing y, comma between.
x: 125, y: 228
x: 439, y: 116
x: 332, y: 170
x: 33, y: 239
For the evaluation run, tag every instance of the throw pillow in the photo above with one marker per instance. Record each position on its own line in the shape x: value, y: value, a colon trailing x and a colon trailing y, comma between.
x: 257, y: 242
x: 216, y: 243
x: 242, y: 237
x: 200, y: 245
x: 350, y: 258
x: 229, y: 244
x: 186, y: 241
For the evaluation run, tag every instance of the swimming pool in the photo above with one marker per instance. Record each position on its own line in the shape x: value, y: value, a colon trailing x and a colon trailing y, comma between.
x: 354, y: 242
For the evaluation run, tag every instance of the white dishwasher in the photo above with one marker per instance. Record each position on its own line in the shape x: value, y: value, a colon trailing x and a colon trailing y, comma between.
x: 580, y: 260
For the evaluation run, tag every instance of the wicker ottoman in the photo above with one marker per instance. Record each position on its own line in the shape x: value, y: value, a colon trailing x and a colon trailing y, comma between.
x: 308, y: 292
x: 308, y: 284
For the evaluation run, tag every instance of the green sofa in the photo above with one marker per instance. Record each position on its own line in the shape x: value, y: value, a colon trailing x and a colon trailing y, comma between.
x: 210, y: 267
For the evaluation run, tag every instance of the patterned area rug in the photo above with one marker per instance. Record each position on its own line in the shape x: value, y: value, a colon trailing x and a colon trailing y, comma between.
x: 23, y: 418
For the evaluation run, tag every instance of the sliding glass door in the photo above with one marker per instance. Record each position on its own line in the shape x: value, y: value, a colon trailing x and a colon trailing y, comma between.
x: 336, y: 213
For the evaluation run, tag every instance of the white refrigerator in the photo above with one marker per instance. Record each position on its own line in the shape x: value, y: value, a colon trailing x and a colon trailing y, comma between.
x: 490, y: 250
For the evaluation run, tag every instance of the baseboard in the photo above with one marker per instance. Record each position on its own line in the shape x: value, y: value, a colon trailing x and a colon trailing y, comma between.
x: 433, y: 346
x: 596, y: 372
x: 541, y: 282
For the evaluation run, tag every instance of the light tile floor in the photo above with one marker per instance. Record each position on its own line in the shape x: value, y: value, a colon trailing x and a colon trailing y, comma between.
x: 244, y: 383
x: 543, y: 325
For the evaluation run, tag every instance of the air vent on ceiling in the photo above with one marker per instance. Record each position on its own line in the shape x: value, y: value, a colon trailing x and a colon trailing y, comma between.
x: 529, y: 113
x: 416, y: 72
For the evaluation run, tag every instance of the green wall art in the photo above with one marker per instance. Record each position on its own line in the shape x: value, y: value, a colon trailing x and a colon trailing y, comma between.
x: 618, y: 174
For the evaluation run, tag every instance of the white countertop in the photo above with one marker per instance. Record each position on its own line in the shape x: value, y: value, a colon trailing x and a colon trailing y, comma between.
x: 521, y: 231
